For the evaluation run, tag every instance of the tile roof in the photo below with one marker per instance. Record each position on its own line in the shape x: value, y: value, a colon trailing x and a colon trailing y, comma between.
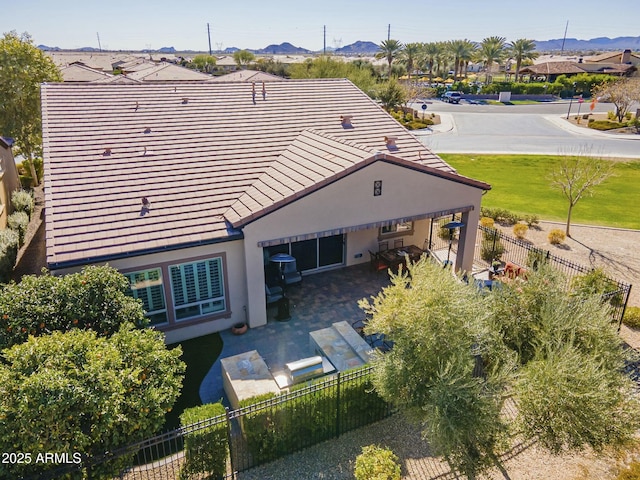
x: 552, y: 68
x: 194, y: 150
x: 248, y: 76
x: 166, y: 72
x: 78, y: 72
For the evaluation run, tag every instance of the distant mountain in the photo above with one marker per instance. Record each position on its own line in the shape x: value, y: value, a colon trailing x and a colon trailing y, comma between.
x: 358, y: 48
x: 166, y: 50
x: 283, y: 49
x: 597, y: 44
x: 45, y: 48
x: 230, y: 50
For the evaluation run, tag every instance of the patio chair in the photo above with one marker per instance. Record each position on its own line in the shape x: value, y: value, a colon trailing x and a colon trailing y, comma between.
x: 398, y: 243
x: 291, y: 273
x: 377, y: 263
x: 383, y: 246
x: 273, y: 294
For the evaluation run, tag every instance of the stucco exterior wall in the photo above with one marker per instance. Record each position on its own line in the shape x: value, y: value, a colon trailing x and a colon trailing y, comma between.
x: 236, y: 294
x: 350, y: 202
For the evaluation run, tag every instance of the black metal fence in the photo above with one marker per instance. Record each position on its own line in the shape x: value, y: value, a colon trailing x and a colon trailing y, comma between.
x: 255, y: 434
x: 493, y: 245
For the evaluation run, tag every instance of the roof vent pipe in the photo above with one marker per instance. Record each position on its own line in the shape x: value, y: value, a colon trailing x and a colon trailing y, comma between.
x: 390, y: 141
x: 345, y: 120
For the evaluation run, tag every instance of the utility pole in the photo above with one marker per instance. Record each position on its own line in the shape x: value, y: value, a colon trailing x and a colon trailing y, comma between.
x: 99, y: 45
x: 565, y: 36
x: 389, y: 32
x: 324, y: 49
x: 209, y: 35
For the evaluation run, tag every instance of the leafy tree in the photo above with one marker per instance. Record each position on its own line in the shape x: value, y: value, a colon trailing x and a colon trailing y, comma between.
x: 622, y: 93
x: 439, y: 333
x: 243, y: 57
x: 204, y: 63
x: 361, y: 74
x: 458, y: 355
x: 391, y: 94
x: 521, y: 50
x: 23, y: 67
x: 93, y: 299
x: 80, y: 393
x: 390, y: 50
x: 576, y: 175
x: 490, y: 51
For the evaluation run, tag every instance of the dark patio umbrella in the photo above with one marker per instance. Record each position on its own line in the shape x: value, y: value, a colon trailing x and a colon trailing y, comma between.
x: 451, y: 226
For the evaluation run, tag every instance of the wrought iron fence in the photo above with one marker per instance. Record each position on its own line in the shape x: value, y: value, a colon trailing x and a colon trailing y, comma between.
x: 255, y: 434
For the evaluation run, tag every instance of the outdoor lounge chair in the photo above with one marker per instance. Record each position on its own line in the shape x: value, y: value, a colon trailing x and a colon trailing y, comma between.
x: 273, y: 294
x: 291, y: 273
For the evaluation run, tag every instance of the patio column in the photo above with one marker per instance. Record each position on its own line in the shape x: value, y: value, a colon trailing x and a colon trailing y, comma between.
x: 467, y: 241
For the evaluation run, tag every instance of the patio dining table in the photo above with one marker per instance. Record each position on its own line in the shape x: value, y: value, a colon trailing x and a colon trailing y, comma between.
x: 395, y: 256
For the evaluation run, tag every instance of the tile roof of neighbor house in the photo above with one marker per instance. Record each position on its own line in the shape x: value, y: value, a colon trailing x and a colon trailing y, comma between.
x: 612, y: 57
x: 167, y: 72
x: 248, y: 76
x: 552, y: 68
x: 78, y: 72
x: 197, y: 152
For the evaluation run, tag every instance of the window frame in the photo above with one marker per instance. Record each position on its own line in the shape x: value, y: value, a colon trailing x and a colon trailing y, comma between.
x: 197, y: 288
x: 396, y: 233
x: 148, y: 313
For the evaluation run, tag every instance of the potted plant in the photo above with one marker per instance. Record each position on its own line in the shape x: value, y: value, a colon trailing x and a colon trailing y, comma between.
x: 239, y: 328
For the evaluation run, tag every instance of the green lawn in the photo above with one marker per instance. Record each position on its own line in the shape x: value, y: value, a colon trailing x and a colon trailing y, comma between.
x: 520, y: 183
x: 199, y: 355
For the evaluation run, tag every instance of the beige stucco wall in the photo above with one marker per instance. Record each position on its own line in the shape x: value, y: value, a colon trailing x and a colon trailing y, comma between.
x: 236, y: 283
x: 349, y: 202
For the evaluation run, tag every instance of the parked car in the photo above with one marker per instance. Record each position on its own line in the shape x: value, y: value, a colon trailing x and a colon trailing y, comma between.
x: 452, y: 97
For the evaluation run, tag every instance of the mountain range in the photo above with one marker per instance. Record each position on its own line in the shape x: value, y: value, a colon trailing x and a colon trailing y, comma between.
x: 370, y: 48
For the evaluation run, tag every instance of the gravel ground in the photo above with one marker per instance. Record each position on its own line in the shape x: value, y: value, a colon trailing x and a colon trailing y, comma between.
x: 335, y: 459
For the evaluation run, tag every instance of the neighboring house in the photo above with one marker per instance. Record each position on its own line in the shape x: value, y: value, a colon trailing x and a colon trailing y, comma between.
x: 9, y: 179
x: 189, y: 188
x: 624, y: 57
x: 248, y: 76
x: 79, y: 73
x: 551, y: 70
x: 167, y: 72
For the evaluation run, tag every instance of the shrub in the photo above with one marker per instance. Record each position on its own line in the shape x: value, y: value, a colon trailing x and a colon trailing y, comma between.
x: 487, y: 222
x: 18, y: 222
x: 597, y: 282
x: 556, y: 236
x: 520, y: 230
x: 22, y: 201
x: 206, y: 449
x: 532, y: 220
x: 611, y: 115
x: 377, y: 463
x: 536, y: 258
x: 605, y: 125
x: 632, y: 473
x: 491, y: 250
x: 632, y: 317
x: 9, y: 241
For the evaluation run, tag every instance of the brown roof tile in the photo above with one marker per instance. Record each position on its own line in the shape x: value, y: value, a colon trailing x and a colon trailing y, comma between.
x: 202, y: 158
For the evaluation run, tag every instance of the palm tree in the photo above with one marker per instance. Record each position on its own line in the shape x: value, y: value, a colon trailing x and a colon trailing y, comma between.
x: 389, y: 49
x: 467, y: 53
x: 410, y: 56
x: 522, y: 49
x: 430, y: 53
x: 492, y: 49
x: 456, y: 49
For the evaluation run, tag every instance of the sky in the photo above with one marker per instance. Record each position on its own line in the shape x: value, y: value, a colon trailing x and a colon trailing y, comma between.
x: 182, y: 24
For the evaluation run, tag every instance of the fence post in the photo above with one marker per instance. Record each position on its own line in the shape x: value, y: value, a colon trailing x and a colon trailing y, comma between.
x: 624, y: 307
x: 230, y: 442
x: 339, y: 379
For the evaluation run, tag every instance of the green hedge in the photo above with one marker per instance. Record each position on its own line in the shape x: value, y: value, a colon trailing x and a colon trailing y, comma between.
x: 604, y: 125
x: 304, y: 420
x: 9, y: 241
x: 206, y: 450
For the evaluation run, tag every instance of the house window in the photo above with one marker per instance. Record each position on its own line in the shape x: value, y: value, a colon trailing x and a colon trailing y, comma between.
x: 147, y: 286
x: 396, y: 230
x: 197, y: 288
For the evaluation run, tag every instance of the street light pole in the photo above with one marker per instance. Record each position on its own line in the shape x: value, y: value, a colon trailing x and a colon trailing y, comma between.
x: 571, y: 100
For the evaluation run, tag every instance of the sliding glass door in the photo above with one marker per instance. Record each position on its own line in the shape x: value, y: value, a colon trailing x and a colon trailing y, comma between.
x: 313, y: 254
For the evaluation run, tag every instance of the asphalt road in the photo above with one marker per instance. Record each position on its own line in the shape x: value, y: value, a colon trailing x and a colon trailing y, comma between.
x: 526, y: 129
